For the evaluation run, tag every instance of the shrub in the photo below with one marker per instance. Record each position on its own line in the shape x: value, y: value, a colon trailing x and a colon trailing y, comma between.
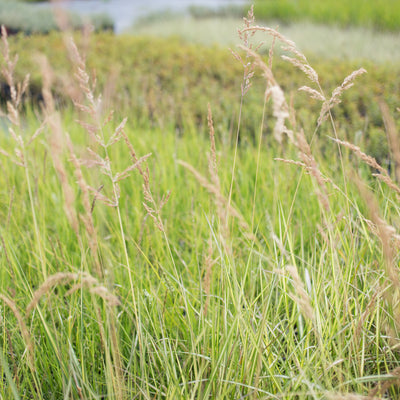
x: 166, y: 82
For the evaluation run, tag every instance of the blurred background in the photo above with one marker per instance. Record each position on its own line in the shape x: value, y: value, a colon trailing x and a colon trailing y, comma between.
x: 347, y: 29
x: 161, y: 61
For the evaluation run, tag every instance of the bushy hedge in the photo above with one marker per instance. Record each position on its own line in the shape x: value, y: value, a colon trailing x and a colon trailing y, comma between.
x: 22, y: 17
x: 168, y: 83
x: 380, y: 14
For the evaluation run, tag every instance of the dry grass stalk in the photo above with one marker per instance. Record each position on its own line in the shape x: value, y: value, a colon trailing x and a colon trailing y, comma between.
x: 220, y: 200
x: 99, y: 290
x: 383, y: 174
x: 62, y: 278
x: 347, y: 83
x: 303, y: 65
x: 275, y: 92
x: 393, y: 138
x: 23, y: 328
x: 302, y: 299
x: 87, y: 218
x: 82, y: 184
x: 95, y: 130
x: 381, y: 388
x: 312, y: 168
x: 370, y: 306
x: 17, y: 91
x: 278, y: 242
x: 57, y: 142
x: 280, y: 111
x: 299, y: 60
x: 385, y: 233
x: 245, y: 36
x: 291, y: 46
x: 364, y: 157
x: 293, y: 162
x: 213, y: 171
x: 389, y: 182
x: 152, y: 208
x: 47, y: 286
x: 394, y: 236
x: 314, y: 94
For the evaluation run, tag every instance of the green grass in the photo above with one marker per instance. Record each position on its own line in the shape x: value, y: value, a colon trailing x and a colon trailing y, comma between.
x: 200, y: 309
x: 253, y: 338
x: 380, y: 14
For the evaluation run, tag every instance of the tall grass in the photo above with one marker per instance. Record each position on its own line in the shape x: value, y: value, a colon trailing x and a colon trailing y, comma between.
x: 269, y: 272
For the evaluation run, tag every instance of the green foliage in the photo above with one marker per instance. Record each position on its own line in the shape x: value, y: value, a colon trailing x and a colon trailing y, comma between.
x: 21, y: 17
x: 168, y: 83
x: 379, y: 14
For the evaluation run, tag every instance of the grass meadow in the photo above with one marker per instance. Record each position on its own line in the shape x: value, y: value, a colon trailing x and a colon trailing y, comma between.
x: 180, y: 222
x: 379, y: 14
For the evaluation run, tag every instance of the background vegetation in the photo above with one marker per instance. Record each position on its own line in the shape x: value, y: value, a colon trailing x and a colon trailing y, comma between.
x: 167, y: 82
x: 22, y: 17
x: 379, y: 14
